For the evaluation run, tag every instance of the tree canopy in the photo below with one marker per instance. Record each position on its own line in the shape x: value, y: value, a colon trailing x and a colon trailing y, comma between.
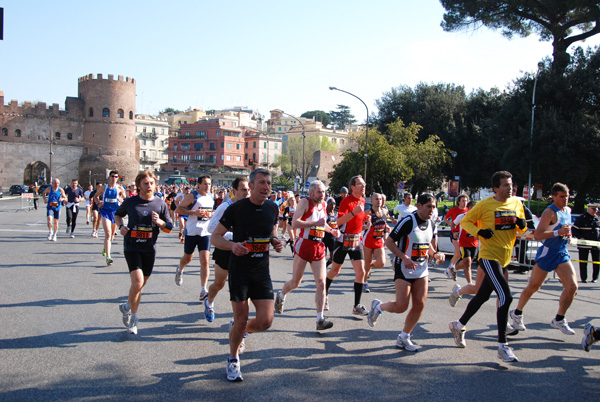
x: 562, y: 22
x: 319, y: 115
x: 342, y: 117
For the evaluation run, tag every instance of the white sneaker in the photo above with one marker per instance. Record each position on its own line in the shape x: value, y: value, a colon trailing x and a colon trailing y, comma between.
x: 458, y: 330
x: 404, y: 342
x: 233, y: 370
x: 454, y: 296
x: 563, y: 325
x: 50, y: 235
x: 374, y: 313
x: 448, y: 273
x: 588, y: 337
x: 203, y: 294
x: 517, y: 321
x: 132, y: 329
x: 126, y: 314
x: 72, y: 235
x: 179, y: 277
x: 506, y: 354
x: 54, y: 237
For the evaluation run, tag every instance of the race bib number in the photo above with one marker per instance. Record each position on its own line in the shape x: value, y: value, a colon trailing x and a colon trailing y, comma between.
x: 142, y: 233
x: 316, y: 233
x: 257, y: 247
x: 204, y: 214
x: 378, y: 233
x: 505, y: 220
x: 351, y: 241
x: 419, y: 252
x: 333, y: 224
x: 53, y: 204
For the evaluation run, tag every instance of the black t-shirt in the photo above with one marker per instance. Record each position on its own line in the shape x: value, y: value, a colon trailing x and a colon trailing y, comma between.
x: 72, y: 194
x: 252, y: 224
x: 143, y: 232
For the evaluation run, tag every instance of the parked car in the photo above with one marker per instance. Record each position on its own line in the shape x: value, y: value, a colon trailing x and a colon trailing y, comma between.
x: 1, y: 193
x: 18, y: 189
x: 42, y: 188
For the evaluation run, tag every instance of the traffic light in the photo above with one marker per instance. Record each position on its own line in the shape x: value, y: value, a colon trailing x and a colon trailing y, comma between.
x: 121, y: 178
x: 251, y: 162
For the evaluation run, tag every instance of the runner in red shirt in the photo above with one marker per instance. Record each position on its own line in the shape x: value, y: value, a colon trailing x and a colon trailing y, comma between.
x: 461, y: 208
x: 351, y: 220
x: 375, y: 237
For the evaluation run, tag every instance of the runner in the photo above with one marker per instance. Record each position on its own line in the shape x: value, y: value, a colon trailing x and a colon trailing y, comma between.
x: 181, y: 219
x: 374, y: 238
x: 74, y: 196
x: 461, y: 208
x: 290, y: 210
x: 310, y: 218
x: 198, y: 205
x: 147, y: 215
x: 95, y: 212
x: 53, y: 197
x: 88, y: 204
x: 410, y: 242
x: 109, y: 197
x: 404, y: 208
x: 554, y: 231
x: 351, y: 216
x: 469, y: 245
x: 329, y: 239
x: 497, y: 219
x: 221, y: 257
x: 253, y: 222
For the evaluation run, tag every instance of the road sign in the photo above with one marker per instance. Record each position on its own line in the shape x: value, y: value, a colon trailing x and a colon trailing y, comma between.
x: 307, y: 184
x: 401, y: 185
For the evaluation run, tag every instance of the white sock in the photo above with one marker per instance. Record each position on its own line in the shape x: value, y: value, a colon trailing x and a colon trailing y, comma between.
x: 404, y: 334
x: 320, y: 316
x: 134, y: 317
x: 281, y: 295
x: 127, y: 306
x: 502, y: 344
x: 209, y: 304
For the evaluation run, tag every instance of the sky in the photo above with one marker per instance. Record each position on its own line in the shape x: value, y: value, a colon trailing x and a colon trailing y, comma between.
x: 258, y: 54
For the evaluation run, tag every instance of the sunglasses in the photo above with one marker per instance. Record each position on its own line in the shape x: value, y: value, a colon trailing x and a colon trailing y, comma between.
x: 114, y: 176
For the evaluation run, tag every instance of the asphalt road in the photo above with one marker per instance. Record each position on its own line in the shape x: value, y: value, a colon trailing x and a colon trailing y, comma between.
x: 62, y: 339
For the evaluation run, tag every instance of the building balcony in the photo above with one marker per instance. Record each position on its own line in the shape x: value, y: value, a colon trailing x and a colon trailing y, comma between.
x: 149, y: 160
x: 151, y: 136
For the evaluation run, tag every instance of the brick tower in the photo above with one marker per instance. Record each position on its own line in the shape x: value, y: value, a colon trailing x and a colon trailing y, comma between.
x: 109, y: 140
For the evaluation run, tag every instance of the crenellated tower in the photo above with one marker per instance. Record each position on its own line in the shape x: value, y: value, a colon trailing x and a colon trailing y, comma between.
x: 109, y: 140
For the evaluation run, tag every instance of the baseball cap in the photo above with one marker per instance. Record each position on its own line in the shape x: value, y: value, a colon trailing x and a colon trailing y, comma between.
x: 594, y: 205
x: 344, y: 190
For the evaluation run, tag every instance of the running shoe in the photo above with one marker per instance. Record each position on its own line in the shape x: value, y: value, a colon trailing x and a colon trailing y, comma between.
x: 374, y: 313
x: 209, y: 313
x: 203, y: 294
x: 87, y: 222
x: 448, y: 273
x: 454, y: 296
x: 359, y: 309
x: 458, y: 330
x: 72, y: 235
x: 453, y: 272
x: 68, y: 230
x: 109, y: 261
x: 126, y: 314
x: 588, y: 337
x: 326, y: 307
x: 178, y: 277
x: 132, y: 329
x: 505, y: 353
x: 279, y: 301
x: 233, y: 370
x: 324, y: 324
x: 50, y: 235
x: 366, y: 288
x: 563, y: 325
x: 54, y: 237
x: 404, y: 342
x: 103, y: 252
x: 517, y: 321
x: 510, y: 331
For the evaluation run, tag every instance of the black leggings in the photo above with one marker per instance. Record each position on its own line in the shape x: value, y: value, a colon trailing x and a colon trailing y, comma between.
x: 72, y: 217
x: 583, y: 256
x: 494, y: 281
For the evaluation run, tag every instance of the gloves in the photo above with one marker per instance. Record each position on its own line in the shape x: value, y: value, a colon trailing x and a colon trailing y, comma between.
x: 521, y: 223
x: 486, y: 233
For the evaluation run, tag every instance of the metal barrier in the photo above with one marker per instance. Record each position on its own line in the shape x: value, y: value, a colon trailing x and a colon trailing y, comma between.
x: 526, y: 248
x: 27, y: 201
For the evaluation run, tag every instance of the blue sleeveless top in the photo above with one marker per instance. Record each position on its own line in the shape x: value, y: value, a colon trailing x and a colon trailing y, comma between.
x: 110, y: 198
x: 54, y: 199
x: 563, y: 218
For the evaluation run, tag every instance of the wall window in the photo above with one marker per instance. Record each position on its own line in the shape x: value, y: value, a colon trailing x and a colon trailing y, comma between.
x: 254, y: 144
x: 69, y: 136
x: 279, y: 128
x: 17, y: 133
x: 120, y: 114
x: 275, y: 145
x: 265, y: 145
x: 246, y: 145
x: 212, y: 158
x: 91, y: 112
x: 222, y: 145
x: 130, y: 115
x: 57, y: 135
x: 245, y: 156
x: 238, y: 158
x: 238, y: 146
x: 264, y: 157
x: 221, y: 156
x: 342, y: 141
x: 229, y: 145
x: 4, y: 132
x: 218, y: 133
x: 212, y: 146
x: 201, y: 134
x: 198, y: 146
x: 228, y: 157
x: 187, y: 134
x: 106, y: 112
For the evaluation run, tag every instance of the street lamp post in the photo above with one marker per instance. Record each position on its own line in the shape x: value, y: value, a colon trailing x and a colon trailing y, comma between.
x: 540, y: 66
x: 366, y: 131
x: 303, y: 138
